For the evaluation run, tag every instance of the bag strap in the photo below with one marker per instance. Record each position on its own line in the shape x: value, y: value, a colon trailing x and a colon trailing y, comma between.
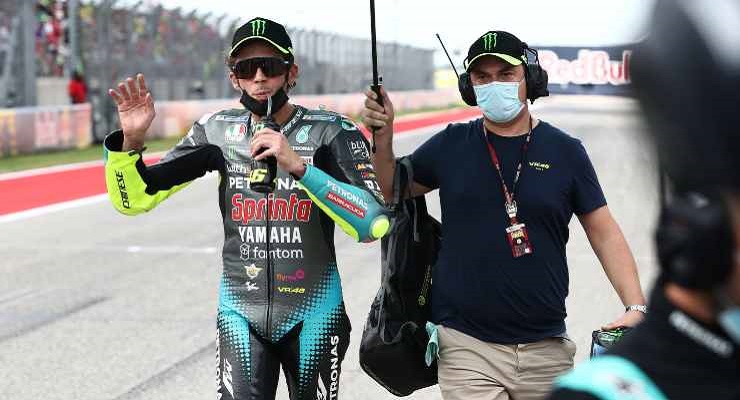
x: 408, y: 167
x: 401, y: 185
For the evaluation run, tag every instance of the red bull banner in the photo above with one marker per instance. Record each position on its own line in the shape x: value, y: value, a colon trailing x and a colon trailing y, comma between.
x: 587, y: 70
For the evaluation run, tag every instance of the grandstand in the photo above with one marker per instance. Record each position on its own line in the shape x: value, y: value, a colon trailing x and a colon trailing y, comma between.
x: 180, y: 51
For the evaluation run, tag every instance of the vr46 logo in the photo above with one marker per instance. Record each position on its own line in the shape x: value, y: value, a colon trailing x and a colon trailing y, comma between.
x: 288, y: 289
x: 258, y: 27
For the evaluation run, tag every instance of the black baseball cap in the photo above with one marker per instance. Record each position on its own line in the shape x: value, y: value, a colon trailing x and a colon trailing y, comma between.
x: 263, y: 29
x: 501, y: 44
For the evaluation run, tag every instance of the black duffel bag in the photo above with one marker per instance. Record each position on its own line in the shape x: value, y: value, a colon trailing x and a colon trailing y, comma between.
x: 394, y: 338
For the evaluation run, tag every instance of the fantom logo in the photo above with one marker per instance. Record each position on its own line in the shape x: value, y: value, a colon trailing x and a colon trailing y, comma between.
x: 489, y: 40
x: 258, y: 27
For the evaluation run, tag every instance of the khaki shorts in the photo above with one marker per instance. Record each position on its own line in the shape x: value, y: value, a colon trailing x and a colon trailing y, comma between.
x: 472, y: 369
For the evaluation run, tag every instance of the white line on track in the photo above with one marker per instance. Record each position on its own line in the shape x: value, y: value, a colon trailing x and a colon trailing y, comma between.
x: 133, y: 249
x: 52, y: 208
x: 16, y: 295
x: 65, y: 167
x: 168, y: 249
x: 39, y: 211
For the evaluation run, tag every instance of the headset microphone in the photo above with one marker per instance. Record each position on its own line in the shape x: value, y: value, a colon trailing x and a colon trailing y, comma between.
x: 463, y: 81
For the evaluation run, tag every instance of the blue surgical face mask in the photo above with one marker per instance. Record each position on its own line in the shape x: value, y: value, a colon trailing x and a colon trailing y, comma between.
x: 729, y: 320
x: 499, y: 101
x: 729, y: 317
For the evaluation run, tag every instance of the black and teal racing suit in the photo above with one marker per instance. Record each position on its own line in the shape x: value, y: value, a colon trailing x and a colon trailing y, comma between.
x: 670, y: 355
x: 280, y: 299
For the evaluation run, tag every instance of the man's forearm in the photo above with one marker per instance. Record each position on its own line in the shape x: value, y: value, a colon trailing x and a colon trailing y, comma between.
x: 611, y: 248
x: 619, y: 265
x: 384, y: 162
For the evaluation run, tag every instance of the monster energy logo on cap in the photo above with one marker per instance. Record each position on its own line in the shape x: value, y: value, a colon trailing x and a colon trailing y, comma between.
x: 264, y: 29
x: 489, y: 40
x: 501, y: 44
x: 258, y: 27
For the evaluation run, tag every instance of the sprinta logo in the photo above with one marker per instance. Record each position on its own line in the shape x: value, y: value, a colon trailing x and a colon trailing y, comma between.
x: 258, y: 27
x: 489, y: 41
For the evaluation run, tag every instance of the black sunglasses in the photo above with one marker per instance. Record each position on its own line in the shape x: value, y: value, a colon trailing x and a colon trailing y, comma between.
x: 270, y: 66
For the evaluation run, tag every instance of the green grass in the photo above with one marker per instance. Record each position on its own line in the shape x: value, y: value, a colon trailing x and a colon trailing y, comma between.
x: 23, y: 162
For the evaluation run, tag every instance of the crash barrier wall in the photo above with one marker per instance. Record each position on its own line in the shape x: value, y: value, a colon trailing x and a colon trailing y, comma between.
x: 39, y: 129
x: 36, y: 129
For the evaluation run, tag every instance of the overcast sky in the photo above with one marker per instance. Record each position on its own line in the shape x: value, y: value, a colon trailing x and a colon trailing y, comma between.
x: 538, y: 22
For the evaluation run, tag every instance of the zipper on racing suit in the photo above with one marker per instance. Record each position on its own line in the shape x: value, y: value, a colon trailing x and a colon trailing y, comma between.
x: 270, y: 283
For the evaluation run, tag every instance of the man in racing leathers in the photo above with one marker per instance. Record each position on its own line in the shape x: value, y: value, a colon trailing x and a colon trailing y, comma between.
x: 280, y: 298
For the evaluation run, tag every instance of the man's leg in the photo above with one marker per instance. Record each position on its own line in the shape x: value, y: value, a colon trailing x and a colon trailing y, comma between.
x: 247, y: 366
x: 312, y: 355
x: 539, y: 364
x: 470, y: 369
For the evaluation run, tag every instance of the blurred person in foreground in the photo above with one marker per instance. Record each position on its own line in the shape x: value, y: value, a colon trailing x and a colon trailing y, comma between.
x: 687, y: 77
x: 280, y: 300
x: 509, y: 185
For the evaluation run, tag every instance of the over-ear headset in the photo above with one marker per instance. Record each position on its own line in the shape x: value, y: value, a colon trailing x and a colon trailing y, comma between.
x: 695, y: 241
x: 534, y: 75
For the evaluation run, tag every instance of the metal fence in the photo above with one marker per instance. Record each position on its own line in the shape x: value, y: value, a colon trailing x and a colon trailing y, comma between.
x: 180, y: 52
x: 17, y: 52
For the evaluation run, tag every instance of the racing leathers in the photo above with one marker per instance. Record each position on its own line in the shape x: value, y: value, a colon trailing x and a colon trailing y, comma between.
x: 280, y: 298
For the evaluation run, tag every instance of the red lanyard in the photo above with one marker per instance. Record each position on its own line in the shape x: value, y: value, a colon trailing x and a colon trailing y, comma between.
x: 511, y: 207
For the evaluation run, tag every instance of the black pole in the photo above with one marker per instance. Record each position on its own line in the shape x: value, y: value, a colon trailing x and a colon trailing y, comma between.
x: 376, y: 79
x: 448, y: 55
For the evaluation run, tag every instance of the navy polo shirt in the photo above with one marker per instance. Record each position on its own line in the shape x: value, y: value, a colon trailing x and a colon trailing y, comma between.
x: 478, y: 287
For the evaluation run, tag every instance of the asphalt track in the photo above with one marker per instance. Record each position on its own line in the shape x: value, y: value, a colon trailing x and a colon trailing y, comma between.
x: 95, y: 305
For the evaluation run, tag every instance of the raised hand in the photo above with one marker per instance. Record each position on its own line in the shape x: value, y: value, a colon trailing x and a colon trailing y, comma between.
x: 135, y: 110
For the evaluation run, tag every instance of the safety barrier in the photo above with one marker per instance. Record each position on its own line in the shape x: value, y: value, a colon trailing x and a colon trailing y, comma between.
x: 38, y: 129
x: 35, y: 129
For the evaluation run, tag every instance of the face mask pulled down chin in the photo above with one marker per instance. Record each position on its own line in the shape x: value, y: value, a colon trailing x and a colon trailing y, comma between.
x: 499, y: 101
x: 258, y: 107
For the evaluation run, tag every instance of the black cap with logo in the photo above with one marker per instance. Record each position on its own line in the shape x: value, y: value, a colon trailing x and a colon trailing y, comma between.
x: 263, y: 29
x: 501, y: 44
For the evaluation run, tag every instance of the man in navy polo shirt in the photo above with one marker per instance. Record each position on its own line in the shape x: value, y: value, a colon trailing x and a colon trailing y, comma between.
x: 508, y: 186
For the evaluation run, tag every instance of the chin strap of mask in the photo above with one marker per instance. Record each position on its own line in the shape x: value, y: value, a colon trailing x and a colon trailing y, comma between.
x: 258, y: 107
